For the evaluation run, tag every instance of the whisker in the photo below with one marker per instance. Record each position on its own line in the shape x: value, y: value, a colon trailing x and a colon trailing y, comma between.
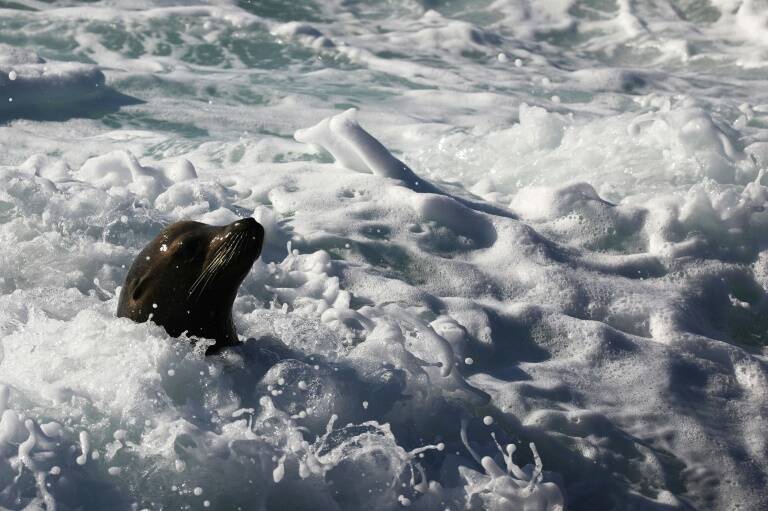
x: 211, y: 268
x: 204, y: 284
x: 205, y: 276
x: 236, y: 246
x: 225, y: 254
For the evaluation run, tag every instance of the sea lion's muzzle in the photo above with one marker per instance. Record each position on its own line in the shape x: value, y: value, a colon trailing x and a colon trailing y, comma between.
x: 252, y: 231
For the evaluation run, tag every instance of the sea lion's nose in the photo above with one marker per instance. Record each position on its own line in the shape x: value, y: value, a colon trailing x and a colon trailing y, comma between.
x: 248, y: 225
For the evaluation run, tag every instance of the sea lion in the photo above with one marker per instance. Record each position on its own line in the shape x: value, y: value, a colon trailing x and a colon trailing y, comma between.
x: 186, y: 279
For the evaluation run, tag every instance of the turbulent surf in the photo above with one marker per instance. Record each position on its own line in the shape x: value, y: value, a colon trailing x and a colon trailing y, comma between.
x: 515, y: 254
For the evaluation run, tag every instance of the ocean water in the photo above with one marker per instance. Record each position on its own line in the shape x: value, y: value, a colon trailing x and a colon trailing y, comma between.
x: 516, y: 253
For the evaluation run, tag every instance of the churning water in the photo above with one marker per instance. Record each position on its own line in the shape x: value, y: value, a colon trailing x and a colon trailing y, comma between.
x: 529, y: 272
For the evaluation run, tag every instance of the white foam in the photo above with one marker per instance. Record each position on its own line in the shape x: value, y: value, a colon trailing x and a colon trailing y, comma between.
x: 565, y: 244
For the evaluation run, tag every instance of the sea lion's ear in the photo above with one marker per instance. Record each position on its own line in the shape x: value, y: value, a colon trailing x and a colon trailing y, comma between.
x: 140, y: 287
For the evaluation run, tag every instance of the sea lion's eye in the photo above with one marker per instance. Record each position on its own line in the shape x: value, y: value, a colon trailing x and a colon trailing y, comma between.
x: 189, y: 248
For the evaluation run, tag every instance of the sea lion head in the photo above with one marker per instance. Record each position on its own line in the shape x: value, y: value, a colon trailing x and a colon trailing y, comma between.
x: 186, y: 279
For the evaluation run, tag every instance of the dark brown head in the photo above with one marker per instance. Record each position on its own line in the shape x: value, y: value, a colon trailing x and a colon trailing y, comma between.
x: 187, y: 278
